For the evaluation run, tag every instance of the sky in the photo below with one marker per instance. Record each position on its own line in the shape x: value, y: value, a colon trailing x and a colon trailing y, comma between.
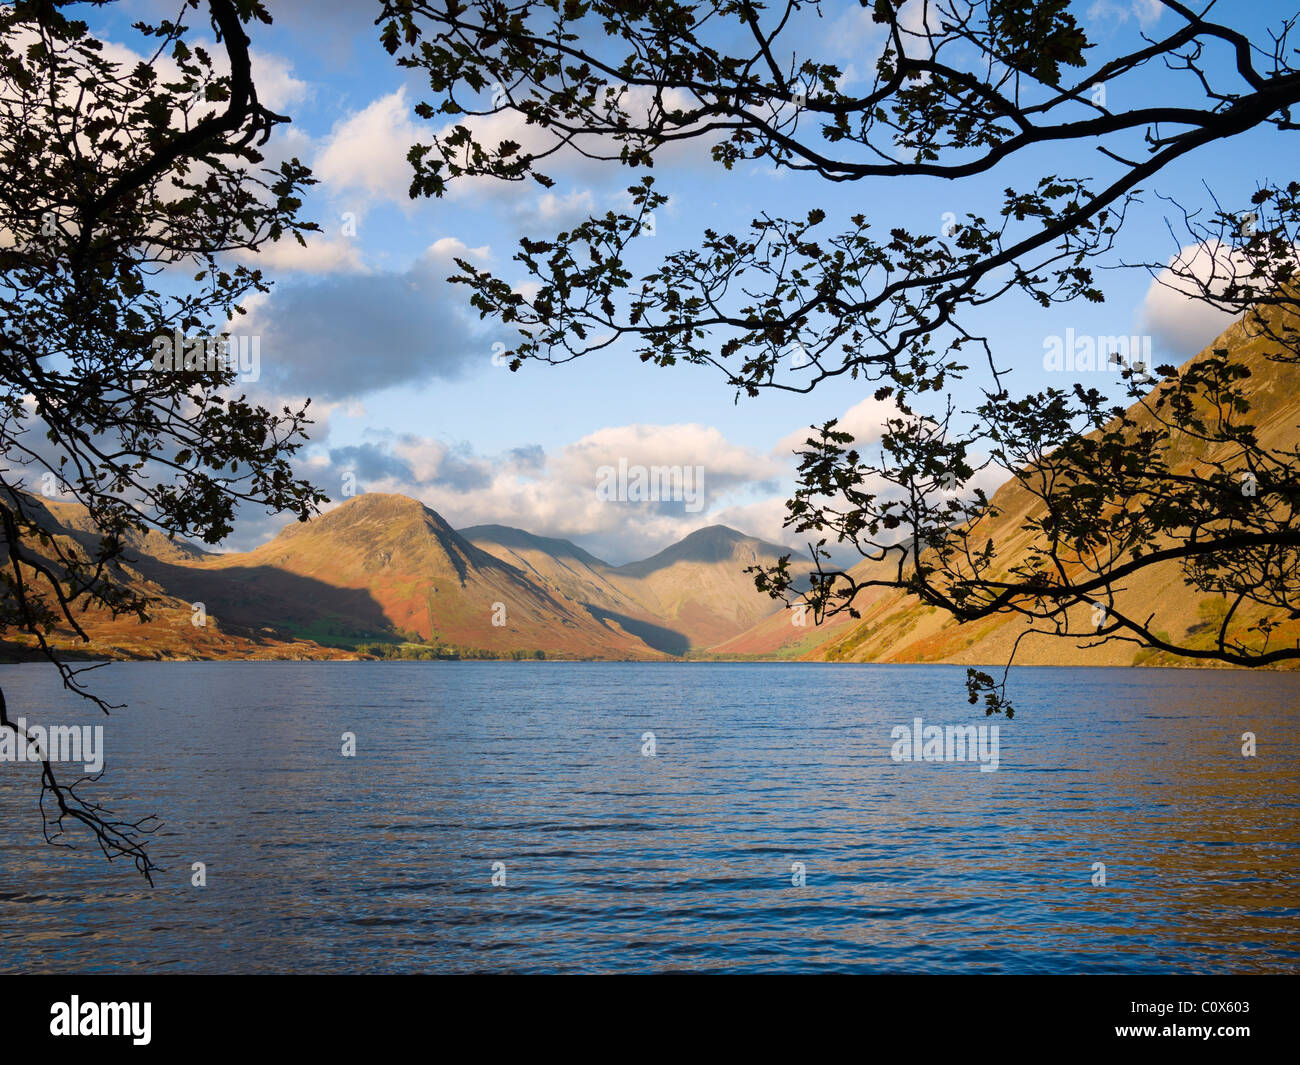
x: 407, y: 395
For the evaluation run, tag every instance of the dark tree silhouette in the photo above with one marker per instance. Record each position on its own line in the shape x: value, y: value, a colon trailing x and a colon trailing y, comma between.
x: 962, y: 87
x: 110, y: 174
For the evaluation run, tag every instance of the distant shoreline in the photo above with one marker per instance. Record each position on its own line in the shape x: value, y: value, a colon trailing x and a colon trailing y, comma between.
x: 90, y: 659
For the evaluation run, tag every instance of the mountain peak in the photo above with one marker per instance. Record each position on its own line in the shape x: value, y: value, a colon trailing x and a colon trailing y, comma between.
x: 386, y: 512
x: 712, y: 544
x: 379, y: 502
x: 378, y: 525
x: 715, y: 534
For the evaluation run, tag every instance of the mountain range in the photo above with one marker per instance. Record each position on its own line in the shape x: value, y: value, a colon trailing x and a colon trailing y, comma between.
x: 386, y: 570
x: 385, y: 575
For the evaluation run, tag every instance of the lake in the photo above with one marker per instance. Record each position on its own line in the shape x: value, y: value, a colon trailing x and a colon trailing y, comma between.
x: 771, y: 829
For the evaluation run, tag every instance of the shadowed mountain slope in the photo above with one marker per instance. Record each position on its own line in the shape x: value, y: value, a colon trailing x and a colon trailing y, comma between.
x: 426, y: 579
x: 696, y: 590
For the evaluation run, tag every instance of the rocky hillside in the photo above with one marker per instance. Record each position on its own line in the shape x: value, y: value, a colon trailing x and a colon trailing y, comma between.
x: 896, y: 628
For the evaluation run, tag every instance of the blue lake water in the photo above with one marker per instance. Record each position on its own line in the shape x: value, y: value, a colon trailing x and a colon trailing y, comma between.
x: 616, y: 861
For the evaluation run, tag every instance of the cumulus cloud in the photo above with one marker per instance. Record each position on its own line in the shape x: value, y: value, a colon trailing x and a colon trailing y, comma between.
x: 558, y: 494
x: 365, y: 153
x: 556, y: 210
x: 855, y: 33
x: 320, y: 255
x: 864, y: 421
x: 1179, y: 324
x: 277, y: 87
x: 343, y: 336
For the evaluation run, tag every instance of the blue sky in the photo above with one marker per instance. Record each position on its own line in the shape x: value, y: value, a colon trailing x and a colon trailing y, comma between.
x: 401, y: 371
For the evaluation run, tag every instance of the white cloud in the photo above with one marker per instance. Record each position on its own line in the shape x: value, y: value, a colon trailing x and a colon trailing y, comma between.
x: 865, y: 421
x: 1178, y: 323
x: 556, y: 494
x: 322, y: 255
x: 855, y: 33
x: 277, y: 88
x: 567, y: 209
x: 449, y: 249
x: 365, y: 153
x: 1147, y: 12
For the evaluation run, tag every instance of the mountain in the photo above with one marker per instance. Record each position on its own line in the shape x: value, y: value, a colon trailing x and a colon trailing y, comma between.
x: 688, y: 597
x: 380, y: 565
x: 699, y: 586
x: 74, y: 520
x: 896, y: 628
x: 566, y: 569
x: 556, y: 564
x: 171, y: 632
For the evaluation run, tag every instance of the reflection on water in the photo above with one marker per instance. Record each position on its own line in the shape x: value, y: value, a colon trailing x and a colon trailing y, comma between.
x: 617, y: 861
